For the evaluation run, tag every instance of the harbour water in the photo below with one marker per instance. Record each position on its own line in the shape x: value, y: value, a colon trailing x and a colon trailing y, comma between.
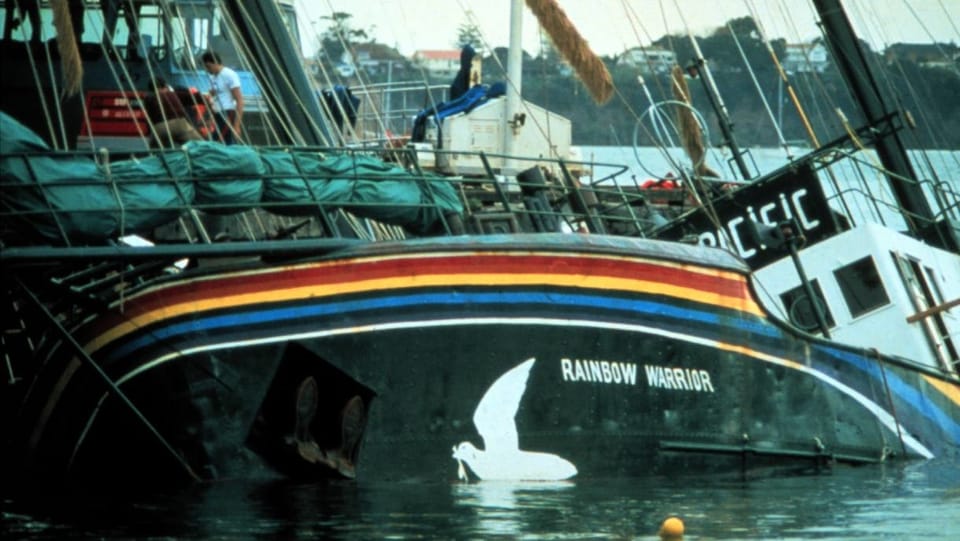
x: 915, y: 500
x: 896, y: 501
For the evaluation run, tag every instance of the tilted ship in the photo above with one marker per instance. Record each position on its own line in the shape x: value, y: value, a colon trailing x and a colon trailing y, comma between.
x: 492, y: 316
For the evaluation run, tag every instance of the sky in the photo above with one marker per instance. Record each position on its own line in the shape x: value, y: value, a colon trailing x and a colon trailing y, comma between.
x: 612, y: 26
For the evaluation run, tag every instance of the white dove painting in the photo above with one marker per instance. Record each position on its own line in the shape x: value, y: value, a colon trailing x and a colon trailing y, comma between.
x: 501, y: 457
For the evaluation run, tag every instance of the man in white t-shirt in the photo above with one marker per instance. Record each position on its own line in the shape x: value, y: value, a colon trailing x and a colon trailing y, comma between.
x: 226, y: 97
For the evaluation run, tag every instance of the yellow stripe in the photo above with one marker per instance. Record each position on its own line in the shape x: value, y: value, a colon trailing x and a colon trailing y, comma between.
x: 744, y: 304
x: 950, y: 390
x: 320, y: 265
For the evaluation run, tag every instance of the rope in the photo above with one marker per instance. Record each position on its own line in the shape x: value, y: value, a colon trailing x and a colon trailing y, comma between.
x: 112, y: 385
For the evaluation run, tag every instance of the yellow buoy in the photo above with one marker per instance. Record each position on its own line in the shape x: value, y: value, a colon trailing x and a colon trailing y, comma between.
x: 671, y: 529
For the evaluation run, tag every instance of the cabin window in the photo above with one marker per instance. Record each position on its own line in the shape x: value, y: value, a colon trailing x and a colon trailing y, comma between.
x: 90, y: 25
x: 205, y: 28
x: 928, y: 302
x: 24, y: 31
x: 800, y: 309
x: 152, y: 35
x: 861, y: 286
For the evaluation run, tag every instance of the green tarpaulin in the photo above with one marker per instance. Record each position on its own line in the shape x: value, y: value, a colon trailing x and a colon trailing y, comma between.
x: 59, y: 194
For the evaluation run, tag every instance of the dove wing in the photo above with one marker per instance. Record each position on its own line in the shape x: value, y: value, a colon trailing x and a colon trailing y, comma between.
x: 496, y: 412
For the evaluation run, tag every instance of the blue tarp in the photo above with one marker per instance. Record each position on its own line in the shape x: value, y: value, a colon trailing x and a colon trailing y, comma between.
x: 470, y: 100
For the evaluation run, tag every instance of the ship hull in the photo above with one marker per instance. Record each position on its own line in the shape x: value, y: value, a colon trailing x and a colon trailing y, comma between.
x: 623, y: 357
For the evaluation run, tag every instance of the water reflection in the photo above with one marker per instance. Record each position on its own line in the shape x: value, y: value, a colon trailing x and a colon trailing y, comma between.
x: 919, y: 500
x: 509, y: 508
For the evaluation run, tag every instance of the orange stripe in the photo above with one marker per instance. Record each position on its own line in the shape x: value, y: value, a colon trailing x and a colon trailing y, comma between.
x: 743, y: 304
x: 950, y: 390
x: 731, y: 283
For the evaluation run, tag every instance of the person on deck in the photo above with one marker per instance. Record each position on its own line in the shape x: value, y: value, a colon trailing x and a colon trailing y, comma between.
x: 226, y: 96
x: 168, y: 117
x: 463, y: 80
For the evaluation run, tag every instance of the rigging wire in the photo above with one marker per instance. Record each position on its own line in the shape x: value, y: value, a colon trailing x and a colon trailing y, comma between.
x: 944, y: 194
x: 653, y: 109
x: 43, y: 99
x: 636, y: 21
x: 543, y: 75
x: 933, y: 129
x: 798, y: 107
x: 531, y: 117
x: 359, y: 73
x: 287, y: 110
x: 756, y: 84
x: 329, y: 81
x: 782, y: 74
x: 882, y: 79
x: 952, y: 66
x: 365, y: 87
x: 813, y: 90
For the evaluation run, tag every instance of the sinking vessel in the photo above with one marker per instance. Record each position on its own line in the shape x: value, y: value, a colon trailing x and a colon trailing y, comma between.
x: 513, y: 324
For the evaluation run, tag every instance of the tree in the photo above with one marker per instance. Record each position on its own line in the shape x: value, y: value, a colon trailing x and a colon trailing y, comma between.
x: 338, y: 35
x: 469, y: 34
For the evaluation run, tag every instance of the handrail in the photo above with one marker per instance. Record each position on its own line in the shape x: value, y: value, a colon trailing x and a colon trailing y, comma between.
x: 14, y: 213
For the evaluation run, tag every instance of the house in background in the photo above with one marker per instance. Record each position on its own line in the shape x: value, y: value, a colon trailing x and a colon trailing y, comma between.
x: 806, y: 57
x: 372, y: 58
x: 442, y: 64
x: 928, y: 55
x: 648, y: 59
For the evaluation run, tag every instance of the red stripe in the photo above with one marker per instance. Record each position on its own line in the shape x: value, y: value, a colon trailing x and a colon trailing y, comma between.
x: 353, y: 270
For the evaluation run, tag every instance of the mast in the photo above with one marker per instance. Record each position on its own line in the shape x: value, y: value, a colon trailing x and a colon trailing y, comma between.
x: 890, y: 149
x: 723, y: 116
x: 279, y: 68
x: 514, y: 83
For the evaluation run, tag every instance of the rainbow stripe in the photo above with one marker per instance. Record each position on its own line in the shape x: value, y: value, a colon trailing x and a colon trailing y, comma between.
x: 576, y: 280
x: 501, y: 286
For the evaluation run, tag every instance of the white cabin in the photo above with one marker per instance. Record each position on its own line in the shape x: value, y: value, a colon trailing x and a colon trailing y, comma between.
x: 540, y: 133
x: 880, y: 289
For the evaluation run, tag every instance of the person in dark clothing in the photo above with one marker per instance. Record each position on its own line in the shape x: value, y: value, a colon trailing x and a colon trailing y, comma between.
x: 341, y: 102
x: 168, y: 117
x: 462, y: 82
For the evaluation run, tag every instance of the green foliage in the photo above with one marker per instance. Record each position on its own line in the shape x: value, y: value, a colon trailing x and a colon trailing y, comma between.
x: 339, y: 32
x: 469, y: 34
x: 928, y: 94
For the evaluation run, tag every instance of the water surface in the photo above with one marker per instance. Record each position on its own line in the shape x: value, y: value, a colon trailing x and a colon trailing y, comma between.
x: 916, y: 500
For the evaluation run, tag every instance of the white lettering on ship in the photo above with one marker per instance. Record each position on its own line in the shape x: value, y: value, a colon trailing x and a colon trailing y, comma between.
x: 598, y: 371
x: 788, y: 203
x: 681, y: 379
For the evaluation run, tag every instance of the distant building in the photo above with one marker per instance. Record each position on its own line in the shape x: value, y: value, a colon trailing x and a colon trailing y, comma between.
x: 930, y: 55
x: 438, y: 63
x: 648, y: 59
x: 371, y: 57
x: 315, y: 68
x: 805, y: 58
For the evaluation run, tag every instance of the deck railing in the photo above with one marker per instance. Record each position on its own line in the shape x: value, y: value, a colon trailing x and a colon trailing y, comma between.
x: 547, y: 196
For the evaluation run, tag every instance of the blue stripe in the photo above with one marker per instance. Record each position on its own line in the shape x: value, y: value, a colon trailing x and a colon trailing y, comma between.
x: 560, y: 300
x: 902, y: 389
